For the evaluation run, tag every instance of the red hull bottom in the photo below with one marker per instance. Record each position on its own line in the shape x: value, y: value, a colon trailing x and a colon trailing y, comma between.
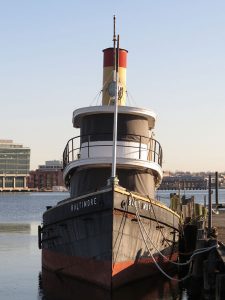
x: 101, y: 273
x: 66, y: 288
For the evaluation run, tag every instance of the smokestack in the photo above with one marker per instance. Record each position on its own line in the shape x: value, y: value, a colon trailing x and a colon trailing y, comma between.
x: 108, y: 68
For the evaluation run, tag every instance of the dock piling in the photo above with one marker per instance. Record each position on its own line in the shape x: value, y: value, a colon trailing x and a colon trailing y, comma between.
x: 216, y: 190
x: 210, y: 208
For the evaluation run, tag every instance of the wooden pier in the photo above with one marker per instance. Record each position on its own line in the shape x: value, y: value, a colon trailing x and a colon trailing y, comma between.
x: 209, y: 268
x: 203, y: 239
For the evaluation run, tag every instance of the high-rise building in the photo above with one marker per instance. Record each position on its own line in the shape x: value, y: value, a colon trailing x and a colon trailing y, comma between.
x: 14, y: 166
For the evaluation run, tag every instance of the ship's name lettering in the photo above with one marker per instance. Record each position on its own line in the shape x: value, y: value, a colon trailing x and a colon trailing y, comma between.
x: 140, y: 205
x: 84, y: 204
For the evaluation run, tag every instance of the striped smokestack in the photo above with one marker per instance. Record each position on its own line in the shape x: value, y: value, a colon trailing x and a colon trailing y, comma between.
x: 108, y: 67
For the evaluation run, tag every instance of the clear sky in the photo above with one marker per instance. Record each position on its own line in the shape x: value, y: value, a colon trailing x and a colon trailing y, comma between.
x: 51, y: 64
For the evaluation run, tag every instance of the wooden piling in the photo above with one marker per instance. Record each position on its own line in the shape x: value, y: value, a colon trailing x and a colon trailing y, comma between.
x: 209, y: 268
x: 175, y: 204
x: 206, y: 282
x: 216, y: 190
x: 198, y: 260
x: 197, y: 210
x: 209, y: 208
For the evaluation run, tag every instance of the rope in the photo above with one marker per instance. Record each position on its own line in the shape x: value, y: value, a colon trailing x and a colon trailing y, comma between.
x: 131, y: 98
x: 160, y: 253
x: 142, y: 226
x: 155, y: 262
x: 99, y: 93
x: 196, y: 252
x: 96, y: 97
x: 160, y: 229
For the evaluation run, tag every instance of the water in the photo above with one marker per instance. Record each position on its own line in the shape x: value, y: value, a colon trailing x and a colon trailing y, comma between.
x: 20, y: 258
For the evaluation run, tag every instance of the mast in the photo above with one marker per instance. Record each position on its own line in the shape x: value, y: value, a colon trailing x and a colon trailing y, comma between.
x: 116, y: 79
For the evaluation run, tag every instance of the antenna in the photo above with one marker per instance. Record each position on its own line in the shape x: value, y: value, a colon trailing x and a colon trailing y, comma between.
x: 114, y: 31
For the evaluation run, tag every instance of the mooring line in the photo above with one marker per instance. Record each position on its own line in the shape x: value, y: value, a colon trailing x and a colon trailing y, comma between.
x: 196, y: 252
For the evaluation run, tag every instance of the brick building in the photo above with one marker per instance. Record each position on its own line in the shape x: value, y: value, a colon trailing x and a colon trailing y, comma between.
x: 47, y: 177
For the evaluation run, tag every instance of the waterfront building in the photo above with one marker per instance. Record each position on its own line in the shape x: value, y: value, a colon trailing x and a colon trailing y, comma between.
x: 188, y: 182
x: 47, y: 177
x: 14, y: 166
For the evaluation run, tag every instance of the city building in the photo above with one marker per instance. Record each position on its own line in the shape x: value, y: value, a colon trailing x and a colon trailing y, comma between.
x: 183, y: 182
x: 14, y: 166
x: 47, y: 177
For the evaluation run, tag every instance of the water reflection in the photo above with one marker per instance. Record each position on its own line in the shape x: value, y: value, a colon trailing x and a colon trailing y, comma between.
x: 55, y: 287
x: 15, y: 228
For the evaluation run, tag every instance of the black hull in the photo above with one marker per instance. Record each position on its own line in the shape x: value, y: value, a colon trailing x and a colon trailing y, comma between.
x: 97, y: 238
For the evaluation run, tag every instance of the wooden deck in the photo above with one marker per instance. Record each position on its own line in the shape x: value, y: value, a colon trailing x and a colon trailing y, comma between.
x: 218, y: 221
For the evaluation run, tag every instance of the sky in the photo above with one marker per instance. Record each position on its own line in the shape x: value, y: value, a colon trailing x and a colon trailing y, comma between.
x: 51, y: 64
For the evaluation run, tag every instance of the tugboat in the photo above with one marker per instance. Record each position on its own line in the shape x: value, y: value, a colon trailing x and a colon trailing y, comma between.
x: 111, y: 230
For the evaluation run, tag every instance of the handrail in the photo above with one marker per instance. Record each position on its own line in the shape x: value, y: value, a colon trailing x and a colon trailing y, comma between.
x: 75, y: 145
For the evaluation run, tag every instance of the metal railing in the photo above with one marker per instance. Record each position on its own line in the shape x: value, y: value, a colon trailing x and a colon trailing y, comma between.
x: 76, y: 144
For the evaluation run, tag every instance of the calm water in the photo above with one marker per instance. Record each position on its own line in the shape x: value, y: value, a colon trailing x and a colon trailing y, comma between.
x: 20, y: 258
